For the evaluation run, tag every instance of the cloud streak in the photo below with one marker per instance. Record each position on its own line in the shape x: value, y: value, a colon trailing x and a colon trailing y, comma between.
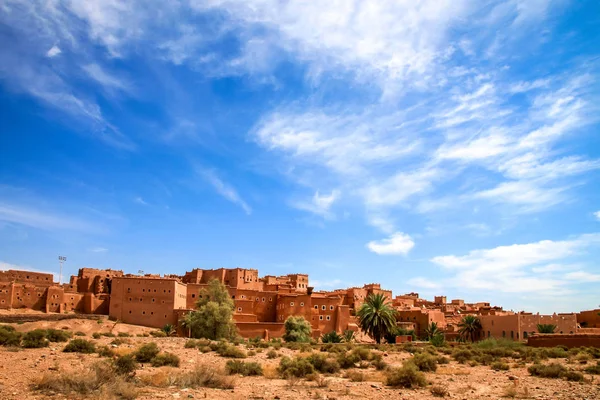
x: 223, y: 189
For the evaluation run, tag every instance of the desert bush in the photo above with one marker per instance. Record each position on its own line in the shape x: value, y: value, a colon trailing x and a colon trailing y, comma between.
x: 125, y: 364
x: 230, y: 351
x: 362, y: 353
x: 190, y: 344
x: 165, y: 359
x: 546, y: 328
x: 355, y: 376
x: 119, y: 341
x: 35, y: 339
x: 99, y: 380
x: 80, y: 346
x: 123, y: 334
x: 158, y: 334
x: 105, y: 351
x: 593, y: 369
x: 251, y: 353
x: 555, y: 352
x: 500, y: 366
x: 233, y: 367
x: 298, y: 367
x: 442, y: 360
x: 297, y: 329
x: 439, y: 391
x: 323, y: 363
x: 573, y: 376
x: 462, y: 355
x: 58, y: 335
x: 379, y: 364
x: 583, y: 357
x: 332, y: 337
x: 205, y: 349
x: 96, y: 335
x: 9, y: 336
x: 547, y: 371
x: 108, y: 334
x: 202, y: 376
x: 425, y: 362
x: 272, y: 354
x: 348, y: 360
x: 146, y: 352
x: 407, y: 376
x: 79, y: 333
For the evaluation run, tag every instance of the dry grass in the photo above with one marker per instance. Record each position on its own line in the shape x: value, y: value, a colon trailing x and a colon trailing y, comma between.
x: 355, y: 376
x: 270, y: 371
x: 439, y: 391
x: 452, y: 371
x: 201, y: 376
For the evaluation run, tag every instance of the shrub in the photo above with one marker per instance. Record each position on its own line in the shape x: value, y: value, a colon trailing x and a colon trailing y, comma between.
x: 58, y: 335
x: 35, y: 339
x: 332, y: 337
x: 125, y: 364
x: 297, y: 329
x: 439, y: 391
x: 379, y: 364
x: 348, y: 336
x: 169, y: 330
x: 163, y: 359
x: 348, y: 360
x: 438, y: 340
x: 96, y: 335
x: 233, y: 367
x: 323, y: 364
x: 407, y: 376
x: 425, y: 362
x: 500, y: 366
x: 231, y: 351
x: 573, y: 376
x: 190, y: 344
x: 146, y: 352
x: 79, y: 333
x: 80, y: 346
x: 595, y: 369
x: 123, y: 334
x: 443, y: 360
x: 462, y: 355
x: 546, y: 328
x: 251, y: 353
x: 272, y: 354
x: 362, y: 353
x: 9, y: 336
x: 108, y: 334
x: 205, y: 349
x: 202, y: 376
x: 298, y: 367
x: 355, y: 376
x: 105, y: 351
x: 547, y: 371
x: 158, y: 334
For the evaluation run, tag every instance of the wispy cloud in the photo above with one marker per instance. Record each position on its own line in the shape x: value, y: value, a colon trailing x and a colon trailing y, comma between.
x: 223, y: 188
x: 597, y: 215
x: 53, y: 51
x: 46, y: 220
x: 397, y: 243
x: 140, y: 201
x: 519, y: 268
x: 109, y: 81
x: 318, y: 204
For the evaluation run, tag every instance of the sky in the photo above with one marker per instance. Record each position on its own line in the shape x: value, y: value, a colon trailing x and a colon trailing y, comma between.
x: 444, y: 147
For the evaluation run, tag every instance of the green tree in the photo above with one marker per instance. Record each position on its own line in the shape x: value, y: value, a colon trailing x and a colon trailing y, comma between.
x: 546, y: 328
x: 376, y: 317
x: 169, y: 330
x: 469, y: 326
x: 432, y: 331
x: 213, y: 317
x: 297, y: 329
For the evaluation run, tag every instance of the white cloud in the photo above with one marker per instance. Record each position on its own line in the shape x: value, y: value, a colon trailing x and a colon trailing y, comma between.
x: 98, y: 250
x: 53, y: 51
x: 423, y: 283
x: 107, y: 80
x: 597, y: 215
x: 397, y: 243
x: 140, y: 201
x: 517, y: 268
x: 42, y: 219
x: 224, y: 189
x: 319, y: 204
x: 582, y: 276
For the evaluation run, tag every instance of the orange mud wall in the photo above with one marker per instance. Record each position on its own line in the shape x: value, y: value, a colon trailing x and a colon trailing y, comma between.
x: 552, y: 340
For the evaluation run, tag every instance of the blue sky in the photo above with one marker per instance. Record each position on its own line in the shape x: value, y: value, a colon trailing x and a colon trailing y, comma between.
x: 444, y: 147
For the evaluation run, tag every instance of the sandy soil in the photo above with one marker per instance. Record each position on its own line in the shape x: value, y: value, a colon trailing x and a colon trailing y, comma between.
x: 19, y: 369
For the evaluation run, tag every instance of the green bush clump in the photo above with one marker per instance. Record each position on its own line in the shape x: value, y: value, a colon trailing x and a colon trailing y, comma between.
x: 35, y: 339
x: 323, y: 363
x: 443, y: 360
x: 348, y: 360
x: 298, y: 367
x: 158, y: 334
x: 205, y: 349
x: 105, y: 351
x: 58, y: 335
x: 9, y: 336
x: 124, y: 365
x: 593, y: 369
x: 165, y: 359
x: 500, y: 366
x: 547, y: 371
x: 231, y: 351
x: 123, y: 334
x: 573, y: 376
x: 425, y: 362
x: 272, y: 354
x: 379, y: 364
x: 96, y: 335
x: 297, y: 329
x: 332, y: 337
x: 407, y: 376
x: 79, y: 333
x: 233, y: 367
x: 146, y: 352
x: 190, y: 344
x: 80, y: 346
x: 463, y: 355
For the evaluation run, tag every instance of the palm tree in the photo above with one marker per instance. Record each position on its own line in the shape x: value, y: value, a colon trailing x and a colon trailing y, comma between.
x: 432, y: 331
x: 546, y: 328
x: 469, y: 326
x: 376, y: 317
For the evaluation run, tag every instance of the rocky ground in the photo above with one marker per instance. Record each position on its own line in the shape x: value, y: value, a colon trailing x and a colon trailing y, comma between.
x: 20, y: 368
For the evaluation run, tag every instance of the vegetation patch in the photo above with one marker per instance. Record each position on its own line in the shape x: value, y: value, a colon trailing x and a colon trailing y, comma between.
x: 233, y: 367
x: 165, y: 359
x: 35, y: 339
x: 146, y: 352
x: 298, y: 367
x: 407, y: 376
x: 80, y: 346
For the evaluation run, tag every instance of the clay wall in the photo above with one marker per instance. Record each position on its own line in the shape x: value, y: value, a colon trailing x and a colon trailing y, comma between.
x: 54, y: 299
x: 552, y: 340
x: 521, y: 326
x: 37, y: 278
x: 21, y: 295
x: 293, y: 305
x: 589, y: 318
x: 421, y: 319
x: 500, y: 326
x: 146, y: 301
x: 329, y: 314
x: 263, y: 330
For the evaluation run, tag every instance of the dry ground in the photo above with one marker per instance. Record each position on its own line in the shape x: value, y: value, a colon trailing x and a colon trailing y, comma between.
x: 21, y: 368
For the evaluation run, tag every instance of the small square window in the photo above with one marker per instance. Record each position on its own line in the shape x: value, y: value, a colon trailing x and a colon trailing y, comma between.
x: 239, y: 309
x: 291, y: 304
x: 301, y: 304
x: 324, y: 307
x: 331, y: 307
x: 316, y: 307
x: 320, y: 318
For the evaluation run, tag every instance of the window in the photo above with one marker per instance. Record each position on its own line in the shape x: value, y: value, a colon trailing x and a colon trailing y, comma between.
x: 291, y: 304
x: 488, y: 333
x: 323, y: 308
x: 270, y: 299
x: 263, y: 299
x: 320, y: 318
x: 503, y: 334
x: 257, y: 299
x: 239, y: 309
x: 331, y: 307
x: 193, y: 296
x: 316, y: 307
x: 129, y: 311
x: 524, y: 335
x: 301, y: 304
x: 328, y: 318
x: 512, y: 334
